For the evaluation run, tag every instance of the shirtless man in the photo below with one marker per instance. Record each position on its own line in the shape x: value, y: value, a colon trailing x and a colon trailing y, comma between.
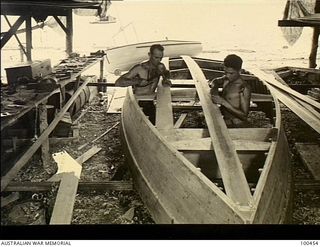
x: 236, y: 93
x: 144, y: 78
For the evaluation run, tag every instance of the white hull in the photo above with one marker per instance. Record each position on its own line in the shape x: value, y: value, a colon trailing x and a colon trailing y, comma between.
x: 124, y: 57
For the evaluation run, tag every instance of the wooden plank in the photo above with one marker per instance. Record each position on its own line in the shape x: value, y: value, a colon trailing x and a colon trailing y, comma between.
x: 253, y: 134
x: 63, y: 207
x: 180, y: 120
x: 307, y: 184
x: 29, y: 153
x: 258, y: 97
x: 297, y: 23
x: 233, y: 176
x: 100, y: 136
x: 164, y: 115
x: 302, y: 103
x: 87, y: 155
x: 116, y: 100
x: 299, y: 110
x: 284, y: 73
x: 10, y: 198
x: 81, y: 159
x: 271, y: 80
x: 309, y: 154
x: 206, y: 144
x: 43, y: 124
x: 189, y: 94
x: 52, y: 141
x: 82, y: 186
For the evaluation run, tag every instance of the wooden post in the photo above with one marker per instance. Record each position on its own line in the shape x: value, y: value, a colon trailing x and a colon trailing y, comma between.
x: 43, y: 124
x: 315, y: 39
x: 62, y: 96
x: 101, y: 88
x: 69, y: 37
x: 28, y: 38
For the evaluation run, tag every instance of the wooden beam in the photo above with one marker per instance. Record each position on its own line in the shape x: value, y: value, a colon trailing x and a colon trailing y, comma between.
x: 297, y: 23
x: 29, y: 153
x: 310, y: 116
x: 70, y: 170
x: 249, y: 134
x: 82, y: 186
x: 61, y: 24
x: 232, y: 173
x: 180, y: 120
x: 302, y: 103
x: 69, y: 36
x: 299, y: 110
x: 307, y: 184
x: 28, y: 38
x: 164, y: 115
x: 6, y: 37
x: 206, y: 144
x: 87, y: 155
x: 271, y: 80
x: 63, y: 207
x: 9, y: 199
x: 52, y: 141
x: 16, y: 36
x: 43, y: 124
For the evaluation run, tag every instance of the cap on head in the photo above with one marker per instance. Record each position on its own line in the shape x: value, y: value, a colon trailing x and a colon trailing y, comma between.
x: 156, y: 47
x: 233, y: 61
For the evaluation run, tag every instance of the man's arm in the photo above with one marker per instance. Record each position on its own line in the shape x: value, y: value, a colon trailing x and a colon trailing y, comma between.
x: 165, y: 74
x: 215, y: 84
x: 241, y: 113
x: 130, y: 78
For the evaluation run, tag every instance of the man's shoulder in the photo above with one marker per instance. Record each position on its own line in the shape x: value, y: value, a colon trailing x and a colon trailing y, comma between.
x: 241, y: 82
x: 137, y: 67
x: 140, y: 67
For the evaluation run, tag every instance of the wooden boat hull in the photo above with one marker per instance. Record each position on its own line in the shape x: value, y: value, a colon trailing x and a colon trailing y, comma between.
x: 303, y: 80
x: 122, y: 58
x: 176, y: 191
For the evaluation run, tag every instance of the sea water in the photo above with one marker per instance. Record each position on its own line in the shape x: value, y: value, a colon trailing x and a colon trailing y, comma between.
x: 248, y: 28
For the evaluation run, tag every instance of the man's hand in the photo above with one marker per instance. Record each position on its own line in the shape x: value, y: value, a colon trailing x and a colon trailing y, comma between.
x: 217, y: 99
x: 166, y: 82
